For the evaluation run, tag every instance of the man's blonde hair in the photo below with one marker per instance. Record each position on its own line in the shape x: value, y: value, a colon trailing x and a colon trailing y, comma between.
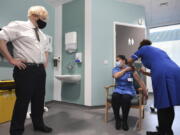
x: 38, y: 10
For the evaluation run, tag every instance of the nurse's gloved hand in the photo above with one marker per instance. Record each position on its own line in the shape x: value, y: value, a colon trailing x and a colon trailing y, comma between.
x: 142, y: 70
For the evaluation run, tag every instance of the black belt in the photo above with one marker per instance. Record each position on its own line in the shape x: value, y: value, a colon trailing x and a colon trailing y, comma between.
x: 34, y: 64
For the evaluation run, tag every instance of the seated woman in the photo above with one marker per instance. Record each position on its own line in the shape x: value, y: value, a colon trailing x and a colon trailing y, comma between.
x: 124, y: 90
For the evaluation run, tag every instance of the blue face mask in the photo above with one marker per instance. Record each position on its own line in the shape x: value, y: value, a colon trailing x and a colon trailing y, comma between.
x: 118, y: 64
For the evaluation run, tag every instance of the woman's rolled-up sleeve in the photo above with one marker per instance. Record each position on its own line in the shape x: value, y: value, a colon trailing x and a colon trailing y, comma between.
x: 114, y: 70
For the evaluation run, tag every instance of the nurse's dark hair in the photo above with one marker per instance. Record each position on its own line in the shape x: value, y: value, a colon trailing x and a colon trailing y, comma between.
x: 144, y: 42
x: 122, y: 57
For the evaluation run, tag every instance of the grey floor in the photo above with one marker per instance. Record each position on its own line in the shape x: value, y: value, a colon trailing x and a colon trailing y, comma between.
x: 75, y: 120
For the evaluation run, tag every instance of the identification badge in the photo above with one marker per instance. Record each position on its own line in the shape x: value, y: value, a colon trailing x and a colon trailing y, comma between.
x: 130, y: 79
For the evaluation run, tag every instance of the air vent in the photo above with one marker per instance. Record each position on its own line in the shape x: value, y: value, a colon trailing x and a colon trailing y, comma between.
x: 164, y: 4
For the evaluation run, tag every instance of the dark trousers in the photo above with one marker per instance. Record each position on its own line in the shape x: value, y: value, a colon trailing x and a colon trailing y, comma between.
x: 165, y: 119
x: 30, y: 87
x: 123, y: 101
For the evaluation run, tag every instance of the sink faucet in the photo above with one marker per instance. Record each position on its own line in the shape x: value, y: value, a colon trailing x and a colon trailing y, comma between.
x: 70, y: 66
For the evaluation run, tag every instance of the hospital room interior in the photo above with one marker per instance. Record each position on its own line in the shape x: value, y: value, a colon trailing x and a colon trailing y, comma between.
x: 86, y: 40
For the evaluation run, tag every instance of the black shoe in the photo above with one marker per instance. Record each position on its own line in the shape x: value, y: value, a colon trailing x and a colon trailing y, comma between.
x: 44, y: 129
x: 118, y: 124
x: 157, y: 128
x: 152, y: 133
x: 125, y: 126
x: 168, y: 133
x: 16, y: 134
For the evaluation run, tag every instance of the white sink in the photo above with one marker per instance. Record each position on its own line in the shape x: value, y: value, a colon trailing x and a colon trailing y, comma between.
x: 69, y: 78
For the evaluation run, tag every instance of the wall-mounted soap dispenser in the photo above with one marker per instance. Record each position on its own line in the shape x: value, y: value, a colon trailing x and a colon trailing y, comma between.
x: 78, y: 57
x: 71, y: 42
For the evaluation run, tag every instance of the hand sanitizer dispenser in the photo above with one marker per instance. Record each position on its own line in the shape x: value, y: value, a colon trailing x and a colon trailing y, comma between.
x: 71, y: 42
x: 78, y: 57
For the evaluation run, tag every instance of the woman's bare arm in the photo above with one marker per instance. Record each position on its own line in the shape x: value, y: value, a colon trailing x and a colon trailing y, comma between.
x: 141, y: 83
x: 139, y: 80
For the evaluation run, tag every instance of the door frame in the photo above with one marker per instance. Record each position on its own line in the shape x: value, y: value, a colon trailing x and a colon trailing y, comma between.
x: 115, y: 23
x: 57, y: 53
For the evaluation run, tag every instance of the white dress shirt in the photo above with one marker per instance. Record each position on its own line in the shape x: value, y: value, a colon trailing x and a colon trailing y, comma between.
x: 26, y: 45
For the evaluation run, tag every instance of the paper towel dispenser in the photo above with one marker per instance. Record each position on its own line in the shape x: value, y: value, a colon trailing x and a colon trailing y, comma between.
x: 71, y: 42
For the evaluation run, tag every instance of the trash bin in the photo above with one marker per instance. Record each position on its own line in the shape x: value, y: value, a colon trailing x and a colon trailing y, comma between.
x: 7, y: 100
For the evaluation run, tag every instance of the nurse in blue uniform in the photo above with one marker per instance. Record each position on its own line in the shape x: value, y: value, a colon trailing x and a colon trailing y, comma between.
x: 165, y: 75
x: 124, y: 90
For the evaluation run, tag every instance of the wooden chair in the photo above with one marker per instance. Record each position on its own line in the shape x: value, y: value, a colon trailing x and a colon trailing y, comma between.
x: 138, y: 102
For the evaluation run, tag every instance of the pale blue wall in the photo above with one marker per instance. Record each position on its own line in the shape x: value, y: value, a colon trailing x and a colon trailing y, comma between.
x: 104, y: 13
x: 73, y: 20
x: 17, y: 10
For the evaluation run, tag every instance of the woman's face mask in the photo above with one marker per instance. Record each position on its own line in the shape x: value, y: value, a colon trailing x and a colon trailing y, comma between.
x: 119, y: 64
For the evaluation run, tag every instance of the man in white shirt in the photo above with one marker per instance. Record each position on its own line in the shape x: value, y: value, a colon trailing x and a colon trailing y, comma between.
x: 30, y: 59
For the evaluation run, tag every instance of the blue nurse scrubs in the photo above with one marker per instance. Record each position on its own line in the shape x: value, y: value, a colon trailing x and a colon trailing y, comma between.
x: 165, y: 75
x: 123, y: 84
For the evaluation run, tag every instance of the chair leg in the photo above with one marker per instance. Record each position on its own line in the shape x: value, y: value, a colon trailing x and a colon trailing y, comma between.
x: 143, y: 113
x: 139, y: 124
x: 106, y: 112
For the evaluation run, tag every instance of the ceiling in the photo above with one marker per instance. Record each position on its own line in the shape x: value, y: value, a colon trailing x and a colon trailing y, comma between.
x: 159, y: 12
